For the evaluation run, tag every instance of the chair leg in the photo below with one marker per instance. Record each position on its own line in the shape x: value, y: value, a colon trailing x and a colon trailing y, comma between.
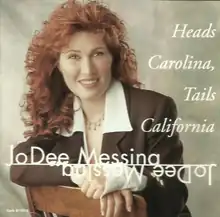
x: 31, y: 207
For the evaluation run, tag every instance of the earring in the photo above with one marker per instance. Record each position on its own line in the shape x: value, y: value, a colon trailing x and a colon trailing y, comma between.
x: 76, y: 104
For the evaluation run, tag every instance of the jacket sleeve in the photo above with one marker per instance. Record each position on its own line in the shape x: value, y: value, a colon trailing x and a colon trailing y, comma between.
x: 37, y: 175
x: 166, y: 198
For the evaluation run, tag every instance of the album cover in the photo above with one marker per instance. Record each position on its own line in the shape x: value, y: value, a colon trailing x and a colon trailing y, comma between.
x: 109, y: 108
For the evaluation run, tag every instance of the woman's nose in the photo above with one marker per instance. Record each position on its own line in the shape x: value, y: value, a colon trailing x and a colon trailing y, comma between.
x: 86, y: 66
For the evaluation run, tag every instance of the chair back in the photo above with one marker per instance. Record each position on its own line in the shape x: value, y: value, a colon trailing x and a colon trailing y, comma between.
x: 71, y: 202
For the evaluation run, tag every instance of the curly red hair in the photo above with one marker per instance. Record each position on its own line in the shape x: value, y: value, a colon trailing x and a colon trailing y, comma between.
x: 49, y: 103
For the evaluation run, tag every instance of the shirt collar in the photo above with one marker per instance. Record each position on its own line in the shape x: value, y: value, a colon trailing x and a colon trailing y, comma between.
x: 115, y: 110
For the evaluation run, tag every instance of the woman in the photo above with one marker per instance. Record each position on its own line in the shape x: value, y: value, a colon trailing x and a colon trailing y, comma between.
x: 84, y: 95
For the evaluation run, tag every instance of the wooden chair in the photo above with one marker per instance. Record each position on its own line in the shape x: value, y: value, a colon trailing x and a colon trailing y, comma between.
x: 71, y: 202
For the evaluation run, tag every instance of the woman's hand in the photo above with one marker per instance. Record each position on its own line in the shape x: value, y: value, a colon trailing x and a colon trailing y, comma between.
x: 111, y: 204
x: 114, y: 203
x: 93, y: 185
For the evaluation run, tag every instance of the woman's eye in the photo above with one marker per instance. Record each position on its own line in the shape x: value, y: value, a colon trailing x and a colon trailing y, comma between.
x: 74, y: 56
x: 99, y: 53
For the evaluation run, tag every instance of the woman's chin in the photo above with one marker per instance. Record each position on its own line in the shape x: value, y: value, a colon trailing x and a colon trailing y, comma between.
x: 89, y: 96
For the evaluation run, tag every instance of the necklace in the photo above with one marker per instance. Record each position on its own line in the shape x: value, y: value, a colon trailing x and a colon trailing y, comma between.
x: 94, y: 125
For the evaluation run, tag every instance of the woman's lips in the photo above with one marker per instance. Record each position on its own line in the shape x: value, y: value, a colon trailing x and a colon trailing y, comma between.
x: 88, y: 82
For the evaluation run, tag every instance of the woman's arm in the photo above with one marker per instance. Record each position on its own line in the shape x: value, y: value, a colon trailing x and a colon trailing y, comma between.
x: 37, y: 175
x: 168, y: 199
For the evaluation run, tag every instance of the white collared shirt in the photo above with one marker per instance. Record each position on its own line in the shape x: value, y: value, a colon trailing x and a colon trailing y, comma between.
x: 115, y: 109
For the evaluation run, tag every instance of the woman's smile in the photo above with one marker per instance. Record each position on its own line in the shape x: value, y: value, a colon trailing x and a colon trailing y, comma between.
x: 89, y: 83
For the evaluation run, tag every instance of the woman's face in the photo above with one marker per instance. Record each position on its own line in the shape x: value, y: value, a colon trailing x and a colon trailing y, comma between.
x: 86, y: 65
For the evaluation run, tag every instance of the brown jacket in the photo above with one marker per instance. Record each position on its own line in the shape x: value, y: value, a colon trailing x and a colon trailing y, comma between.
x: 163, y: 201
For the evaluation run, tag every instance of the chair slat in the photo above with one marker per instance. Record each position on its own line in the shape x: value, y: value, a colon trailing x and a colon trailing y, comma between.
x: 72, y: 202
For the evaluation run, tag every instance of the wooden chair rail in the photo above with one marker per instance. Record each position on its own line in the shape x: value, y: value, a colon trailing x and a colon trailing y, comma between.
x: 71, y: 202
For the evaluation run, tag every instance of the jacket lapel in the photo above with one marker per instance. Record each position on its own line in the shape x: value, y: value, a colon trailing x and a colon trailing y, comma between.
x: 71, y: 146
x: 111, y: 141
